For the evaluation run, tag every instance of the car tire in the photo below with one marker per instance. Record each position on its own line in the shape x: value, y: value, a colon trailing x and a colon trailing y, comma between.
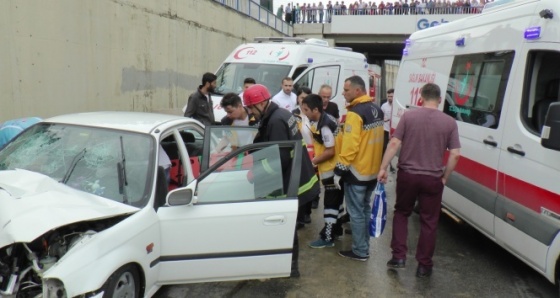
x: 124, y: 283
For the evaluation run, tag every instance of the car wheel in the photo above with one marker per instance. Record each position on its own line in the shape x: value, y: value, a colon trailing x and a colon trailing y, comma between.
x: 124, y: 283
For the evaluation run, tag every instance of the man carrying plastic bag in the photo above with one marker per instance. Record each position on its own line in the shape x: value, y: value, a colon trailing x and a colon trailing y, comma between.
x: 425, y: 135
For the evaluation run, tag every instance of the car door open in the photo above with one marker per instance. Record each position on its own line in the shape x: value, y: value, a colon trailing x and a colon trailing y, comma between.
x: 240, y: 222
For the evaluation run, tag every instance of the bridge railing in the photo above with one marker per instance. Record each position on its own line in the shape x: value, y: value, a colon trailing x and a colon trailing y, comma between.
x: 259, y: 13
x: 317, y: 15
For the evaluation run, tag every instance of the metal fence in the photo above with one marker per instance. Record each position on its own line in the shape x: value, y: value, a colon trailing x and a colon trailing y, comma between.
x: 316, y: 15
x: 259, y: 13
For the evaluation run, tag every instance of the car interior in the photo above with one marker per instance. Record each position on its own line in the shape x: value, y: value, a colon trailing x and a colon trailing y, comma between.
x: 194, y: 149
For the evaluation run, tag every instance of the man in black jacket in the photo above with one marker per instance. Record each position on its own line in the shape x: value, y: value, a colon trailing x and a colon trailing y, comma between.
x: 278, y: 124
x: 200, y: 106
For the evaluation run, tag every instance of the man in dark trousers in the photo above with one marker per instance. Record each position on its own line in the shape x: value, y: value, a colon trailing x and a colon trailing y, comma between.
x: 278, y: 124
x: 325, y: 129
x: 200, y: 106
x: 423, y: 135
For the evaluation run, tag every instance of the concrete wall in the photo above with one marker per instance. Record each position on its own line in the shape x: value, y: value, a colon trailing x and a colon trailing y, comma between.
x: 63, y: 56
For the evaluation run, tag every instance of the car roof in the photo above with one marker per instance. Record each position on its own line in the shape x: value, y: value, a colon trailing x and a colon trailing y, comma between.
x: 131, y: 121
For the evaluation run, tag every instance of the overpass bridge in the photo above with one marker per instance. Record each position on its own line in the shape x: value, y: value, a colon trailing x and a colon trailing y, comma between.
x: 379, y: 34
x: 379, y: 37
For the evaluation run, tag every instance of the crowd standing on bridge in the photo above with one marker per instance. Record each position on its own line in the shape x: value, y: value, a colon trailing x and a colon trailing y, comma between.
x: 322, y: 13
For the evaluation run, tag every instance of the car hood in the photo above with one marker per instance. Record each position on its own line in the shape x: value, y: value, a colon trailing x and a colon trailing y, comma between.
x: 32, y: 204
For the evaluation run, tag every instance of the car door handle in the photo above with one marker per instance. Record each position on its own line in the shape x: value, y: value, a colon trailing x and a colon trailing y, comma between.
x: 490, y: 143
x: 274, y: 220
x: 515, y: 151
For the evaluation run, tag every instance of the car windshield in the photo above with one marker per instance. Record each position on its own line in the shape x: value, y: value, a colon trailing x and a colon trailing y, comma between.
x: 231, y: 76
x: 109, y: 163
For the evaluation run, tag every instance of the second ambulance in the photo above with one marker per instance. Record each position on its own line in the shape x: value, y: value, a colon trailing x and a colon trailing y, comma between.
x: 500, y: 71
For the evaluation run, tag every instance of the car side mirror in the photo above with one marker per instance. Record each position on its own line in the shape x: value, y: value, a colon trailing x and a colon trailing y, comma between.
x: 180, y: 197
x: 550, y: 135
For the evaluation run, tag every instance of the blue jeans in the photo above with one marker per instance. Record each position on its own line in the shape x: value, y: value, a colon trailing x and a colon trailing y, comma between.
x: 358, y: 200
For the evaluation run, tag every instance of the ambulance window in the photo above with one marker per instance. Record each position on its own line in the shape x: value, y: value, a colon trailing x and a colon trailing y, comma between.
x: 298, y: 71
x: 476, y: 88
x: 541, y: 88
x: 319, y: 76
x: 230, y: 76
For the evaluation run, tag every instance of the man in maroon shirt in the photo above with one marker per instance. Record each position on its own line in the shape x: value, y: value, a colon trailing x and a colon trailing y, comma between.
x: 424, y: 135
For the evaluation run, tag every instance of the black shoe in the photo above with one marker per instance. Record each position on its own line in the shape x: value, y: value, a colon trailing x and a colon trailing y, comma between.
x: 294, y: 273
x: 307, y: 218
x: 351, y: 255
x: 345, y: 218
x: 396, y: 263
x: 315, y: 204
x: 299, y: 225
x: 422, y: 272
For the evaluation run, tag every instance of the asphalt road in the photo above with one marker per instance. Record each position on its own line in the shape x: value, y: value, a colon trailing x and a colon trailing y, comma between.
x: 466, y: 264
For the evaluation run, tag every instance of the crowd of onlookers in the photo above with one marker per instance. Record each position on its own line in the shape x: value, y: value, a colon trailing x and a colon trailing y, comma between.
x: 322, y: 13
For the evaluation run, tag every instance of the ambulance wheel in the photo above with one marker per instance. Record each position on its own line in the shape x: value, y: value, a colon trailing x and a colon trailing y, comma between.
x: 124, y: 283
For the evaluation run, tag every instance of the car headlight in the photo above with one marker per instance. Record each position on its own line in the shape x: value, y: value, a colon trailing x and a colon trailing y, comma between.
x: 53, y: 288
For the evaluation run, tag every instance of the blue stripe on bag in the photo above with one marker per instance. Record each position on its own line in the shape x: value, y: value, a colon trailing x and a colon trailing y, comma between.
x: 378, y: 215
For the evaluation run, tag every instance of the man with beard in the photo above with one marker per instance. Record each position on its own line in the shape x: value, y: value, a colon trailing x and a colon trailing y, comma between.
x: 278, y: 124
x: 200, y: 106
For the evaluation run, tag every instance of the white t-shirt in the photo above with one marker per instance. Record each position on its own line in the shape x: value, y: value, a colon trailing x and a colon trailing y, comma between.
x: 305, y: 130
x: 163, y: 159
x: 387, y: 111
x: 242, y: 137
x: 285, y: 101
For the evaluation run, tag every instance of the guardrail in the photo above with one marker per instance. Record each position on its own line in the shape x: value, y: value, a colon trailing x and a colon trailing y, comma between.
x: 259, y: 13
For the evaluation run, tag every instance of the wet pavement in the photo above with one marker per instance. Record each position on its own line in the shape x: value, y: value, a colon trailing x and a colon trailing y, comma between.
x: 466, y: 264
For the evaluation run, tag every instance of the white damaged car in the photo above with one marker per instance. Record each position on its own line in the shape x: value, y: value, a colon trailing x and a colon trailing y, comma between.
x: 117, y: 204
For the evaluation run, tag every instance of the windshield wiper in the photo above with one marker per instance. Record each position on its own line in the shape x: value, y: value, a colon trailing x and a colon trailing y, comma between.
x: 121, y: 171
x: 73, y: 164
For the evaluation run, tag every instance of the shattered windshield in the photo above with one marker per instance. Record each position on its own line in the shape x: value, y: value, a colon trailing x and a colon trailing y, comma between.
x: 109, y: 163
x: 231, y: 76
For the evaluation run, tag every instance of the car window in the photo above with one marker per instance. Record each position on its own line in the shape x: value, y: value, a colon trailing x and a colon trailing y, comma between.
x: 109, y: 163
x: 225, y: 139
x: 541, y: 88
x: 250, y: 175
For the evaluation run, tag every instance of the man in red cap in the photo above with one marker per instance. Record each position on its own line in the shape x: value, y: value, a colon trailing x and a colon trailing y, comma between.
x: 278, y: 124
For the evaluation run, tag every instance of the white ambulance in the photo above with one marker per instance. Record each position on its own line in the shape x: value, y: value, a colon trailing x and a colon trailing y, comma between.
x: 499, y: 72
x: 310, y: 62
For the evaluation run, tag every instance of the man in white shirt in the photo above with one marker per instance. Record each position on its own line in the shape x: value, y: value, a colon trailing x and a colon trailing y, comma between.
x: 387, y: 109
x: 248, y: 82
x: 286, y: 99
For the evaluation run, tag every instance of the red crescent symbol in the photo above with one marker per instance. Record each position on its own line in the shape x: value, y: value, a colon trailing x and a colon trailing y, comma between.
x: 285, y: 56
x: 461, y: 100
x: 236, y: 55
